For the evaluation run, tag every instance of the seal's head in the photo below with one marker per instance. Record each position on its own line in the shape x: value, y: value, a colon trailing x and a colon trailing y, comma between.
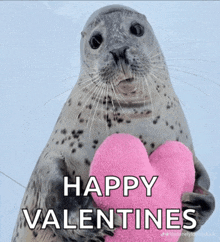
x: 119, y: 50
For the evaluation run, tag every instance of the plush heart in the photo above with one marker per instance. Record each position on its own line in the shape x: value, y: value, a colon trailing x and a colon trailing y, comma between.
x: 124, y: 155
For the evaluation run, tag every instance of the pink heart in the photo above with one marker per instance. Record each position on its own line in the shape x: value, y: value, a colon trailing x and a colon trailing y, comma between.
x: 124, y: 155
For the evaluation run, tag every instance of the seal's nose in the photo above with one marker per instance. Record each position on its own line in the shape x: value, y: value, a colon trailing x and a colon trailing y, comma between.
x: 120, y: 53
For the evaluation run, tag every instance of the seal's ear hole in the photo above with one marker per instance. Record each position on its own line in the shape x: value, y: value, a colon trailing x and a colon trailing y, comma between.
x: 137, y: 29
x: 95, y: 41
x: 83, y: 34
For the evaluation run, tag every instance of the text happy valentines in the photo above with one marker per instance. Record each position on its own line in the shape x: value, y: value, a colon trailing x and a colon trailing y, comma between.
x: 93, y: 186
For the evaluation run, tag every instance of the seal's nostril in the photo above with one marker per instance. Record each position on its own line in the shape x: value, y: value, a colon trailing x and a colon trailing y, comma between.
x: 120, y: 53
x: 115, y: 56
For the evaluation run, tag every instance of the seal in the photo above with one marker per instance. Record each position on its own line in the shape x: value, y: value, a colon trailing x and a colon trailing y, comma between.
x: 123, y: 87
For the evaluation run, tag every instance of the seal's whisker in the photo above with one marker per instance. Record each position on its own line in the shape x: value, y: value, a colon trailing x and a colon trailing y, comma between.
x: 160, y: 74
x: 155, y: 56
x: 158, y: 67
x: 12, y: 179
x: 62, y: 92
x: 87, y: 98
x: 86, y: 64
x: 156, y: 63
x: 176, y: 66
x: 118, y: 100
x: 84, y: 68
x: 155, y: 46
x: 115, y: 94
x: 197, y: 75
x: 84, y: 71
x: 139, y: 86
x: 93, y: 89
x: 157, y: 53
x: 58, y: 95
x: 184, y: 59
x: 68, y: 78
x: 95, y: 94
x: 156, y: 79
x: 156, y: 73
x: 85, y: 84
x: 88, y: 73
x: 116, y: 88
x: 106, y: 107
x: 85, y: 89
x: 88, y: 76
x: 141, y: 83
x: 189, y: 85
x: 92, y: 81
x: 145, y: 81
x: 99, y: 95
x: 148, y: 88
x: 184, y: 43
x: 81, y: 85
x: 113, y: 105
x: 152, y: 77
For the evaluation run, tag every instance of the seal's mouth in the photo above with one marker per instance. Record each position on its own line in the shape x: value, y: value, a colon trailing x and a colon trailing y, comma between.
x: 126, y: 81
x: 127, y: 86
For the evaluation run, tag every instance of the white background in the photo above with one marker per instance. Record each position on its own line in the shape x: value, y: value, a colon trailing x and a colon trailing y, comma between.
x: 39, y: 64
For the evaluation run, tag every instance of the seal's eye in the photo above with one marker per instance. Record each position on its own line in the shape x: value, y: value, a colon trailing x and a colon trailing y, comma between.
x: 95, y: 41
x: 137, y: 29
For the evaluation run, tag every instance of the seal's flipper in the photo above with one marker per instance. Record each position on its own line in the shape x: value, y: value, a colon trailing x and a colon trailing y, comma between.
x: 46, y: 192
x: 56, y: 200
x: 200, y: 199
